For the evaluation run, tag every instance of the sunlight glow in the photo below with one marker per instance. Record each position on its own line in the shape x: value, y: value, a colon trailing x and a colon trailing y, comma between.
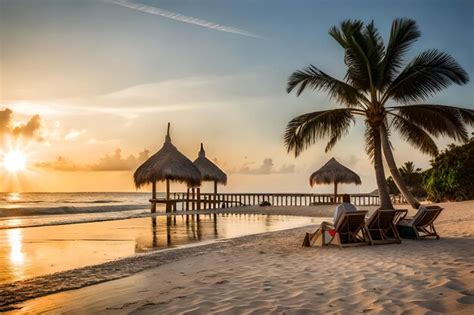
x: 14, y: 240
x: 14, y: 161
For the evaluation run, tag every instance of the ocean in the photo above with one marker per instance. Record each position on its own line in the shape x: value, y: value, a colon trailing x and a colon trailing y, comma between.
x: 38, y: 209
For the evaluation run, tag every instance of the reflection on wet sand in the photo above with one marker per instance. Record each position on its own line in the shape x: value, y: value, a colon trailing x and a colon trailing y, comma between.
x: 30, y: 252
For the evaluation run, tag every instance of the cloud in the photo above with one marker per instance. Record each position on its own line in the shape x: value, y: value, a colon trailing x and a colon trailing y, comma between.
x: 28, y: 130
x: 73, y: 134
x: 110, y: 162
x: 267, y: 167
x: 180, y: 17
x: 61, y: 164
x: 115, y: 162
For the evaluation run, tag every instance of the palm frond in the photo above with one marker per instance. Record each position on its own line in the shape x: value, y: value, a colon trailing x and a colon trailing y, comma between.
x: 350, y: 36
x: 304, y: 130
x: 414, y: 135
x: 375, y: 51
x: 370, y: 138
x: 403, y: 34
x: 345, y: 31
x: 316, y: 79
x: 438, y: 120
x: 428, y: 73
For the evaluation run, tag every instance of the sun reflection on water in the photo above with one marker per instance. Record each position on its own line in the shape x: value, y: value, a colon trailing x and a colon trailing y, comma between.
x: 17, y: 257
x: 12, y: 197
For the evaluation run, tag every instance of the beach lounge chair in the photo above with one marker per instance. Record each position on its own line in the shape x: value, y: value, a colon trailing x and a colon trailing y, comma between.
x: 381, y: 226
x: 421, y: 225
x: 349, y: 231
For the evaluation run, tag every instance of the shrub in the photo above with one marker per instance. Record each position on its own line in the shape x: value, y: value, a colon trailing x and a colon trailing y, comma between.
x: 452, y: 174
x: 413, y: 178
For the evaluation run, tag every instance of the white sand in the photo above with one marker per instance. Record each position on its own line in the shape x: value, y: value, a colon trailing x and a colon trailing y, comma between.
x: 272, y: 273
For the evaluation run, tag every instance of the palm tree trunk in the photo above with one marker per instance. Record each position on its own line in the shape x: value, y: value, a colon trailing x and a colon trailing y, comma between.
x: 387, y: 151
x: 385, y: 202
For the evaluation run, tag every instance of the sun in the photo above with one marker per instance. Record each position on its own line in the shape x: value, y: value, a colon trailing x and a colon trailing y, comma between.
x: 14, y: 161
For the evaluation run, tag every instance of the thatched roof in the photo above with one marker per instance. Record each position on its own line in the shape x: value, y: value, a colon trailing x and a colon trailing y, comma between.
x: 334, y: 172
x: 167, y: 163
x: 209, y: 171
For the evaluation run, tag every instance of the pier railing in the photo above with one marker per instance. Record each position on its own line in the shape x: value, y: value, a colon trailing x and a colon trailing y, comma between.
x: 197, y: 200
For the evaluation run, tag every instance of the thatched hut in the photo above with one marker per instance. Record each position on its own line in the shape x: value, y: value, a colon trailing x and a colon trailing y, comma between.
x: 209, y: 171
x: 335, y: 173
x: 168, y: 164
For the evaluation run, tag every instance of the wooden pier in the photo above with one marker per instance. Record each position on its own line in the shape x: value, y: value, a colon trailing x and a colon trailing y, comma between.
x: 195, y: 200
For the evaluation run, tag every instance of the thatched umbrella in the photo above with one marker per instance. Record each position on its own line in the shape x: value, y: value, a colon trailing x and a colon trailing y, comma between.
x: 209, y: 171
x: 168, y: 164
x: 335, y: 173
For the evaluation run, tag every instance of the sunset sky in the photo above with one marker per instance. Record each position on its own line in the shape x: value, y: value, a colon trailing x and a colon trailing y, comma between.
x: 87, y: 87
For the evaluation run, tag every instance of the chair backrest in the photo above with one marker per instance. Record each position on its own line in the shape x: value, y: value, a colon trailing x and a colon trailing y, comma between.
x: 381, y: 219
x: 351, y: 222
x: 426, y: 215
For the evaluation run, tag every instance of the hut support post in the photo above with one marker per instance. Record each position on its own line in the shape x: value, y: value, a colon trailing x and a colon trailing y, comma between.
x: 168, y: 205
x: 335, y: 192
x: 153, y: 196
x: 215, y: 194
x: 187, y: 200
x: 198, y: 198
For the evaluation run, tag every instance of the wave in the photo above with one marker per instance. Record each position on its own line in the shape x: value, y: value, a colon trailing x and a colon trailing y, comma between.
x: 59, y: 201
x: 90, y: 201
x: 21, y: 201
x: 70, y: 221
x: 33, y: 211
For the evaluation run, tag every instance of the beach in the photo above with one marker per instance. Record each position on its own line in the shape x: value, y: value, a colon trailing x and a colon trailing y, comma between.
x: 272, y: 273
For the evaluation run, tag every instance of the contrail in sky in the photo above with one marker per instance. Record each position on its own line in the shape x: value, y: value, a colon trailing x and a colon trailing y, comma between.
x: 180, y: 17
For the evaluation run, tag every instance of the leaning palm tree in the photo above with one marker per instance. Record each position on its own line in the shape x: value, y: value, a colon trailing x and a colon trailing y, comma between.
x: 385, y: 95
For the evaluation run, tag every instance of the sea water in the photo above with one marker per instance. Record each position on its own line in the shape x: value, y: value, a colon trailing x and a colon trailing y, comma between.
x: 38, y: 209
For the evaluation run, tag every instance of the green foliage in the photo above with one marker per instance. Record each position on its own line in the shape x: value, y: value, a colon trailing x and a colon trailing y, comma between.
x: 392, y: 187
x: 413, y: 178
x: 452, y: 174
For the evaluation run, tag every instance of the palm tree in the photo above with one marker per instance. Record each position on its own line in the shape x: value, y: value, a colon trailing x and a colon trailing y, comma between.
x: 377, y: 89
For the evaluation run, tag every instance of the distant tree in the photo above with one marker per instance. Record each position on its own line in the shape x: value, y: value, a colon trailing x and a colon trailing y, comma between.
x: 452, y: 174
x: 413, y: 178
x: 392, y: 187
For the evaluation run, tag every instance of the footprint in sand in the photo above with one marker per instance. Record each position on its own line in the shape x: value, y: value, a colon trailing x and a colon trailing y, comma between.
x: 468, y: 297
x: 222, y: 282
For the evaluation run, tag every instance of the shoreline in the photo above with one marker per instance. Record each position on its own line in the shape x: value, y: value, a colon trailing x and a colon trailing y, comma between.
x: 23, y: 290
x: 411, y: 259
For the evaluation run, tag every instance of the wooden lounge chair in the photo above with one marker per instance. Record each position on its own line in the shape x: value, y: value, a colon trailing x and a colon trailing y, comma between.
x: 381, y: 226
x: 349, y: 231
x: 421, y: 225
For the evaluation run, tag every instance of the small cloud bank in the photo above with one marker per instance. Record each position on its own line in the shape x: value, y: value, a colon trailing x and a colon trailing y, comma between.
x: 267, y: 167
x: 29, y: 130
x: 110, y: 162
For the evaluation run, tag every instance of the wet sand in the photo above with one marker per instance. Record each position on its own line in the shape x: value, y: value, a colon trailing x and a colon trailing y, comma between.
x: 271, y: 272
x: 31, y: 252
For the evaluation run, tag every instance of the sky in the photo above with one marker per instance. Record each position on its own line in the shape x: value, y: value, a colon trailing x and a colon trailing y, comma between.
x: 87, y: 87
